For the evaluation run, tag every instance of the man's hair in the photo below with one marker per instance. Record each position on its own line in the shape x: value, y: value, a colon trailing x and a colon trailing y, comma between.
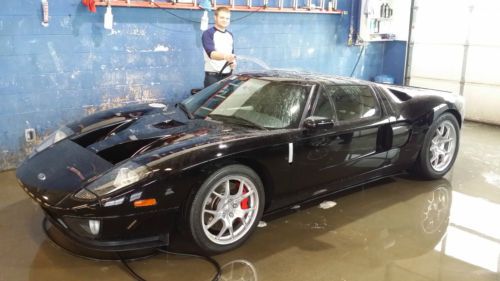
x: 222, y: 9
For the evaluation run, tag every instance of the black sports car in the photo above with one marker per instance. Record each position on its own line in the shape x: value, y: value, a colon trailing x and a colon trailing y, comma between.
x: 251, y: 144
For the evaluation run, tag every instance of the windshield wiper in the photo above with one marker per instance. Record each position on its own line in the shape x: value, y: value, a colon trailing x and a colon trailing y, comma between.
x: 184, y: 108
x: 241, y: 121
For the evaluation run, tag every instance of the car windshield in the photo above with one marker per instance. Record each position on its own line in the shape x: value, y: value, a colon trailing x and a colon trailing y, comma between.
x: 256, y: 102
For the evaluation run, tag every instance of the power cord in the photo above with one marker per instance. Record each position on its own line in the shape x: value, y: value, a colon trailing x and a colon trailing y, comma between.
x: 195, y: 21
x: 179, y: 17
x: 249, y: 14
x: 125, y: 263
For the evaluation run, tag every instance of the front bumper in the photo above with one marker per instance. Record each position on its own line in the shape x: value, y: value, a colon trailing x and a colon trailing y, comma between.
x: 116, y: 233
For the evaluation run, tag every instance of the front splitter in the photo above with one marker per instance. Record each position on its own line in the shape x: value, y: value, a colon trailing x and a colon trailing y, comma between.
x: 77, y: 249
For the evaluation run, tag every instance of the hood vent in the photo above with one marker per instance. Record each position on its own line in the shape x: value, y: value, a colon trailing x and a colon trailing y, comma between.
x: 96, y: 135
x: 120, y: 152
x: 168, y: 124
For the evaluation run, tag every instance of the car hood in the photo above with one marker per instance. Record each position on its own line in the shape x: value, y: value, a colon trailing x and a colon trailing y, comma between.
x: 169, y: 131
x: 67, y: 166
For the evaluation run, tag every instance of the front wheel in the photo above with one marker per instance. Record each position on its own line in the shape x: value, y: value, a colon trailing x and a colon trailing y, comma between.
x: 226, y: 209
x: 440, y: 148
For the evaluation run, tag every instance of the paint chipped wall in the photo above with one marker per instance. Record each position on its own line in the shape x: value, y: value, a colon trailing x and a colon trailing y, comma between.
x: 74, y: 67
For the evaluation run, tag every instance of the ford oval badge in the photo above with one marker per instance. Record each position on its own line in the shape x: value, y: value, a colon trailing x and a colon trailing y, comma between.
x: 42, y: 176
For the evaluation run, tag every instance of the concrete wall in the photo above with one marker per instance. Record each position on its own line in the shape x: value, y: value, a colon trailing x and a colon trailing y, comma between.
x: 51, y: 75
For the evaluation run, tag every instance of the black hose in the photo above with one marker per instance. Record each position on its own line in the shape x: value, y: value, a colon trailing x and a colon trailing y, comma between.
x: 130, y: 271
x: 224, y: 67
x: 357, y: 61
x: 137, y: 277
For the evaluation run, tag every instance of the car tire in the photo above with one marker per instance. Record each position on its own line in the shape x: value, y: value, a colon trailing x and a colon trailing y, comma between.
x: 226, y: 209
x: 440, y: 148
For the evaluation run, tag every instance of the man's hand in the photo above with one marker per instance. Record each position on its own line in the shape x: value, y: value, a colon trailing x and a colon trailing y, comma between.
x: 230, y: 58
x: 233, y: 65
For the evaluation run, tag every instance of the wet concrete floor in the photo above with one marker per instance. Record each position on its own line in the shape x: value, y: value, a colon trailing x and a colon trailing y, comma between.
x: 396, y: 229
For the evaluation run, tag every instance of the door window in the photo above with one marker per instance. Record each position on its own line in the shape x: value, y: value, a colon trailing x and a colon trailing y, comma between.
x: 353, y: 102
x: 323, y: 107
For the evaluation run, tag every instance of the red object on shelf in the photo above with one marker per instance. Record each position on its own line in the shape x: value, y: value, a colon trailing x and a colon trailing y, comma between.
x: 90, y: 5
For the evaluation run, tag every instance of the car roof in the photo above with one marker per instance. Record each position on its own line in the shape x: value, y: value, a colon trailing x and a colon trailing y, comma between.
x: 289, y: 75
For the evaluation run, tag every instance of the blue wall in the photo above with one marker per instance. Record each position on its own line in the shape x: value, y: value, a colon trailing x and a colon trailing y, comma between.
x: 394, y: 60
x: 51, y: 75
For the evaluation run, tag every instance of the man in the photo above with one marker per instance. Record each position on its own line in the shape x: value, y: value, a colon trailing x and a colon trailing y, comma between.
x: 219, y: 48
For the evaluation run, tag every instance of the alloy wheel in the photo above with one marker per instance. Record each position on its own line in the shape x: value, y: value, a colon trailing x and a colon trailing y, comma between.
x: 230, y: 209
x: 443, y: 146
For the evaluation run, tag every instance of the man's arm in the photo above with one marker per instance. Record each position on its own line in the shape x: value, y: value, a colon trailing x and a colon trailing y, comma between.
x: 222, y: 56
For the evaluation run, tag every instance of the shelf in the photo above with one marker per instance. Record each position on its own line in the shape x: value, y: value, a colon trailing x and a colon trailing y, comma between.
x: 194, y: 6
x: 376, y: 37
x: 380, y: 19
x: 380, y: 40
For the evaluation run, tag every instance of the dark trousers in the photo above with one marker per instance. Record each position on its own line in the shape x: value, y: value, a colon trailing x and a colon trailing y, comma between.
x: 212, y: 77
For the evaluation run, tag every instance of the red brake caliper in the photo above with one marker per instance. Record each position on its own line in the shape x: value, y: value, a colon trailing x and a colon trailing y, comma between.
x: 244, y: 202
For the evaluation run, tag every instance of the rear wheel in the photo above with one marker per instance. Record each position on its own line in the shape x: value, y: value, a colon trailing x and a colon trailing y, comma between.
x: 440, y: 148
x: 226, y: 209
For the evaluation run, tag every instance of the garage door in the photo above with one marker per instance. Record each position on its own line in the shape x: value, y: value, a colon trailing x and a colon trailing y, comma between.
x: 455, y: 46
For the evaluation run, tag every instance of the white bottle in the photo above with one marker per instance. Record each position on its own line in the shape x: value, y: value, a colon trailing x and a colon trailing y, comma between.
x: 108, y: 18
x: 204, y: 21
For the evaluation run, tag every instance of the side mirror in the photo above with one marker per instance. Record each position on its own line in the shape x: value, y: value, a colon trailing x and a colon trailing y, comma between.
x: 318, y: 123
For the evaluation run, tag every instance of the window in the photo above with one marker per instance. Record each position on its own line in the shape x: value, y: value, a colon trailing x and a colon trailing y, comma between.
x: 353, y: 103
x: 323, y: 107
x: 262, y: 102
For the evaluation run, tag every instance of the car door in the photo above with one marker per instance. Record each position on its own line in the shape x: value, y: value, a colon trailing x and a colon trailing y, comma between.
x: 326, y: 159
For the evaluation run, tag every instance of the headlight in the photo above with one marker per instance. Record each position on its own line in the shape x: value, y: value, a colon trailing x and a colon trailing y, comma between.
x: 56, y: 136
x: 120, y: 177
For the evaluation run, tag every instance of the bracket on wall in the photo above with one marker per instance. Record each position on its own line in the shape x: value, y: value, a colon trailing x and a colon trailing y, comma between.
x: 45, y: 13
x: 322, y: 6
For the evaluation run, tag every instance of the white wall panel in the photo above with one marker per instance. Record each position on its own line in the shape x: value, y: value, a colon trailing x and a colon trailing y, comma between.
x: 482, y: 103
x: 403, y: 15
x: 437, y: 61
x: 442, y: 85
x: 485, y: 23
x: 441, y: 21
x: 445, y: 33
x: 483, y: 65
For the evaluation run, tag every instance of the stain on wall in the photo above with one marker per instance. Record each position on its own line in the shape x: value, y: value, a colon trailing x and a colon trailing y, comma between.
x: 74, y: 67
